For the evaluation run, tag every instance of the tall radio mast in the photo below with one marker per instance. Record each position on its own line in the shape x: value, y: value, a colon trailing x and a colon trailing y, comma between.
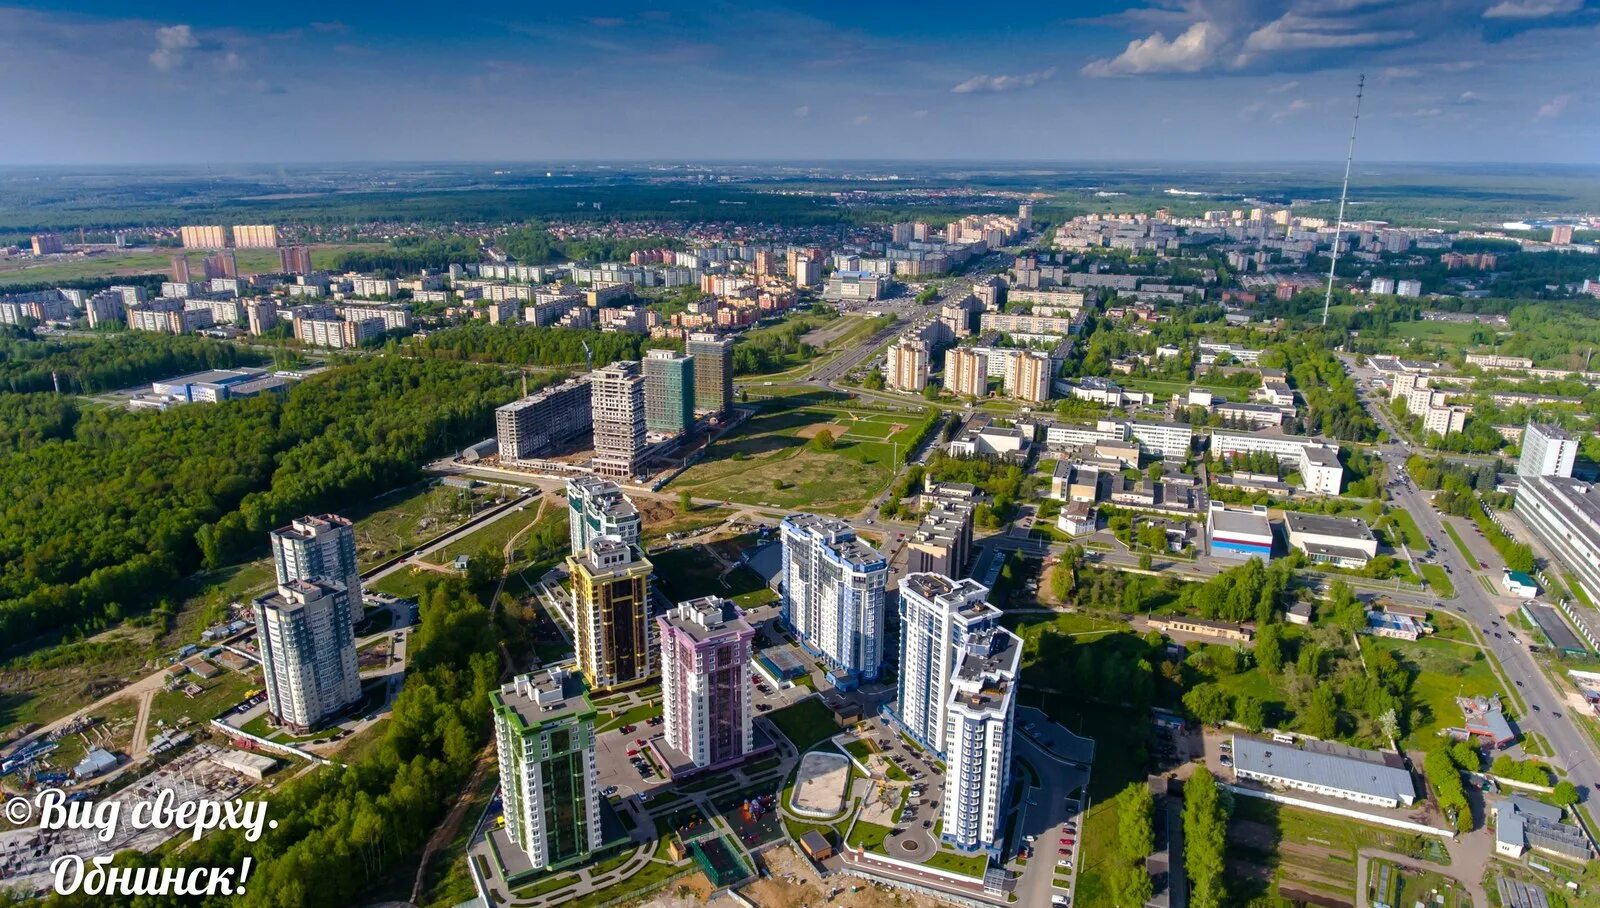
x: 1344, y: 193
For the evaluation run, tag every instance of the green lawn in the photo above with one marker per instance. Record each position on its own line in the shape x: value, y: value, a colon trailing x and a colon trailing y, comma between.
x: 407, y: 582
x: 1409, y: 529
x: 1444, y: 670
x: 972, y: 865
x: 769, y: 460
x: 632, y: 716
x: 870, y: 836
x: 1461, y: 545
x: 492, y: 536
x: 1438, y: 579
x: 219, y: 693
x: 806, y: 724
x: 1453, y: 333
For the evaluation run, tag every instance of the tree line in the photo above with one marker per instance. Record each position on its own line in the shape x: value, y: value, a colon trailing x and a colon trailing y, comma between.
x: 102, y: 519
x: 527, y: 344
x: 114, y: 361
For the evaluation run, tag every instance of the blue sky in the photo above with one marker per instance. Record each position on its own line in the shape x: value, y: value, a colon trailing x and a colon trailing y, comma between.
x: 1192, y: 80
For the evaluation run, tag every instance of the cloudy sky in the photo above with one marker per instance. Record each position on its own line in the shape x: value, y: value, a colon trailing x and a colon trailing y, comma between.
x: 1192, y: 80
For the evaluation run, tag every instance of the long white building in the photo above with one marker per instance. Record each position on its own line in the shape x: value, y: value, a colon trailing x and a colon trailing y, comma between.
x: 979, y: 718
x: 833, y: 595
x: 1317, y: 462
x: 937, y: 617
x: 308, y: 653
x: 1547, y: 450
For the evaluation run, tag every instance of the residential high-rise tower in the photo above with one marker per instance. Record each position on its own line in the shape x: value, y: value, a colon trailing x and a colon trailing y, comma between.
x: 596, y: 507
x: 705, y: 680
x: 544, y: 740
x: 611, y: 613
x: 978, y: 723
x: 668, y: 391
x: 308, y: 653
x: 937, y: 617
x: 320, y: 546
x: 833, y: 595
x: 713, y: 372
x: 617, y: 402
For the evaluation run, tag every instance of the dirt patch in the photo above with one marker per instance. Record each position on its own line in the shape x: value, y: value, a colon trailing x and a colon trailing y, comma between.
x: 809, y: 432
x: 793, y: 883
x: 895, y: 428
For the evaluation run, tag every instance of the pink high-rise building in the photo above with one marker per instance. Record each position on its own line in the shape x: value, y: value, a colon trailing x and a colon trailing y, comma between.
x: 705, y: 681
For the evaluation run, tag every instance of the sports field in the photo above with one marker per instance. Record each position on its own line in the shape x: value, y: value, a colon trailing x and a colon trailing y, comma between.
x: 772, y: 460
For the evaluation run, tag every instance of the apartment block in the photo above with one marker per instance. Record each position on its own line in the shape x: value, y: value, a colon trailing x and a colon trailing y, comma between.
x: 544, y: 731
x: 668, y: 392
x: 713, y: 372
x: 833, y: 595
x: 1547, y: 450
x: 549, y: 420
x: 611, y: 613
x: 204, y: 237
x: 308, y: 653
x: 907, y: 365
x: 617, y: 402
x: 255, y: 236
x: 937, y: 617
x: 966, y: 372
x: 597, y: 508
x: 705, y: 681
x: 1028, y: 376
x: 979, y: 717
x: 316, y: 546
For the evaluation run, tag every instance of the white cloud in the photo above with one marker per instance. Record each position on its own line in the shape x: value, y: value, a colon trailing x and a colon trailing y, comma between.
x: 1287, y: 86
x: 1295, y: 106
x: 1470, y: 97
x: 1004, y: 83
x: 803, y: 111
x: 1531, y: 9
x: 919, y: 114
x: 862, y: 120
x: 1554, y: 107
x: 172, y: 42
x: 1193, y: 50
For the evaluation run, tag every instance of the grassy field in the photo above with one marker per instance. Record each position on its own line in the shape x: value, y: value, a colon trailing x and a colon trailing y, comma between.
x: 806, y: 724
x: 1454, y: 333
x: 689, y: 572
x: 1031, y: 627
x: 491, y: 536
x: 1445, y: 669
x: 146, y: 261
x: 1438, y: 579
x: 1409, y: 530
x: 1461, y: 545
x: 769, y: 460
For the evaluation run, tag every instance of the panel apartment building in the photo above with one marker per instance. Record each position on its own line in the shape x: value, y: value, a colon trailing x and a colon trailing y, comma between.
x: 611, y: 613
x: 544, y: 741
x: 705, y: 681
x: 833, y: 595
x: 546, y: 422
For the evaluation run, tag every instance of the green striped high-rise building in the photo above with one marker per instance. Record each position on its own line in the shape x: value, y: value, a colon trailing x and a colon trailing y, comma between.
x: 545, y: 740
x: 668, y: 391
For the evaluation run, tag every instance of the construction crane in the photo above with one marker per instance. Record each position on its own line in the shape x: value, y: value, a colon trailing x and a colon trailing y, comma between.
x: 588, y: 355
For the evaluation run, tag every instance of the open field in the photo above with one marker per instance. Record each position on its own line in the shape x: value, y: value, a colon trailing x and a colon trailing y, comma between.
x: 67, y: 268
x: 1302, y: 856
x: 1444, y: 670
x: 806, y: 724
x: 1443, y: 332
x: 770, y: 460
x: 1438, y: 579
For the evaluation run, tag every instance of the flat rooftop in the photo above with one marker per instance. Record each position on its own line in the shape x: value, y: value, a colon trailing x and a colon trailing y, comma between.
x: 1326, y: 764
x: 1549, y: 430
x: 1225, y: 520
x: 539, y: 697
x: 1324, y: 525
x: 215, y: 377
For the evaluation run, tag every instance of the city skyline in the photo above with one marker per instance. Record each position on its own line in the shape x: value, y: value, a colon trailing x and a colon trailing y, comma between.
x: 1191, y: 81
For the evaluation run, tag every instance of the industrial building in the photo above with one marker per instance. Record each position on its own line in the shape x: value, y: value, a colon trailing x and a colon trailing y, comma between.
x: 1326, y: 769
x: 1521, y: 823
x: 1565, y: 514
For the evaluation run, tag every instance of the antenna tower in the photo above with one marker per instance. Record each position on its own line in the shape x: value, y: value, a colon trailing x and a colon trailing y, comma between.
x: 1344, y: 193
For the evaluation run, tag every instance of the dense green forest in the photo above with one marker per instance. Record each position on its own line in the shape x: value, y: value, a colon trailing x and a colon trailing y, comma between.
x: 342, y: 830
x: 482, y: 342
x: 97, y: 519
x: 535, y: 245
x: 110, y: 362
x: 410, y: 254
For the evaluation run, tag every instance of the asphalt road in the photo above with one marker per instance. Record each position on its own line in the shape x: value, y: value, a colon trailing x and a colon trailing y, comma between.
x: 1548, y: 714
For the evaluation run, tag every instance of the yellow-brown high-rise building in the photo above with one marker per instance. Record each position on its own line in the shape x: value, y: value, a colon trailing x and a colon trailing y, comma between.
x: 966, y: 372
x: 611, y: 613
x: 1028, y: 376
x: 907, y: 365
x: 255, y: 236
x: 203, y: 236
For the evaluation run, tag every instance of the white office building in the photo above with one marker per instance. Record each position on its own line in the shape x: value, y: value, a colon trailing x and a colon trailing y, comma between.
x: 833, y: 595
x: 1547, y: 450
x: 937, y: 616
x: 308, y: 653
x: 978, y: 723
